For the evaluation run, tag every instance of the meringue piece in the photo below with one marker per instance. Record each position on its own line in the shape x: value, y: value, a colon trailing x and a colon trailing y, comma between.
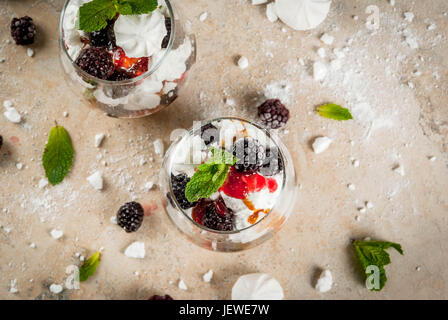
x: 159, y: 148
x: 257, y: 2
x: 270, y: 12
x: 136, y: 250
x: 30, y: 52
x: 325, y: 281
x: 203, y: 17
x: 243, y: 62
x: 96, y: 180
x: 11, y: 113
x: 302, y: 14
x: 319, y: 71
x: 99, y: 139
x: 321, y: 144
x: 56, y: 234
x: 257, y: 286
x: 56, y: 288
x: 327, y: 39
x: 207, y: 277
x: 140, y: 35
x: 399, y: 170
x: 182, y: 285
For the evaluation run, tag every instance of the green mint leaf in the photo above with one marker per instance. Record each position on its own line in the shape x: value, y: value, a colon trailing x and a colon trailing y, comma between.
x: 89, y: 267
x: 58, y: 155
x: 93, y: 15
x: 133, y: 7
x: 334, y: 111
x: 210, y: 176
x: 373, y: 253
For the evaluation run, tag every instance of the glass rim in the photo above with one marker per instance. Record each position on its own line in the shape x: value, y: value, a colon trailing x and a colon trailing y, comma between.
x: 141, y: 77
x: 272, y: 136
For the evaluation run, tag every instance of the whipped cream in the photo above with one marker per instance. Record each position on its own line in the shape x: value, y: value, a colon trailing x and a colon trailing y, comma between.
x: 191, y: 151
x: 140, y: 35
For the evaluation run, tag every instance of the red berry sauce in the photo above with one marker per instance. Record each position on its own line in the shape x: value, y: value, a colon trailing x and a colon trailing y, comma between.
x: 135, y: 66
x: 239, y: 185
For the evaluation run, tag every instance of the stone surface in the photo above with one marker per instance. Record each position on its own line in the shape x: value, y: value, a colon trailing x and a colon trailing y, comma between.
x: 394, y: 124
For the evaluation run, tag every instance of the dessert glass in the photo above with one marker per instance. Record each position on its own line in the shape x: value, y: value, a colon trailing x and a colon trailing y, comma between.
x: 130, y: 98
x: 236, y: 240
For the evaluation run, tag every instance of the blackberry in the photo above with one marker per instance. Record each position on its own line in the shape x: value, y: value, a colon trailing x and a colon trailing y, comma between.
x: 220, y: 221
x: 23, y: 30
x: 166, y: 40
x: 273, y: 164
x: 273, y: 114
x: 250, y: 154
x: 96, y: 62
x: 130, y: 216
x: 1, y: 141
x: 104, y: 37
x: 161, y: 298
x: 120, y: 75
x: 179, y: 183
x: 209, y: 133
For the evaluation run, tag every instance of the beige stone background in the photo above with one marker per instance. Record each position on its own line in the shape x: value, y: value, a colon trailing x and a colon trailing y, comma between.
x: 397, y: 94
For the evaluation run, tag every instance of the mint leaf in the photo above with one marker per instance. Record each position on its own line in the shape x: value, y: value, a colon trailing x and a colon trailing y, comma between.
x: 58, y: 155
x: 210, y: 176
x: 93, y: 15
x: 373, y: 253
x: 131, y: 7
x: 89, y: 267
x: 334, y: 111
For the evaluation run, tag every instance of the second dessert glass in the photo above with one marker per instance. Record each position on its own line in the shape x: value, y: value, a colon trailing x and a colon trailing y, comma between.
x: 243, y: 235
x: 137, y: 97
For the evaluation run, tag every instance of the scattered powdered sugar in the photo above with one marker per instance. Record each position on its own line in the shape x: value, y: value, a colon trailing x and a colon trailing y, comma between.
x: 278, y: 90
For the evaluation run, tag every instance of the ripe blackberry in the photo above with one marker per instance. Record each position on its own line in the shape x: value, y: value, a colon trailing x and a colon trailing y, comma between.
x: 120, y: 75
x: 1, y: 141
x: 96, y: 62
x: 166, y: 40
x: 161, y: 298
x: 273, y: 114
x: 23, y: 30
x: 209, y: 133
x: 104, y: 37
x: 130, y: 216
x: 273, y: 164
x: 179, y: 184
x: 250, y: 154
x: 218, y: 219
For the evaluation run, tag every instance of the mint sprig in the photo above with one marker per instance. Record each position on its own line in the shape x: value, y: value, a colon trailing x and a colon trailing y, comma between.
x: 88, y: 269
x: 334, y: 111
x: 93, y: 15
x: 210, y: 175
x: 373, y: 253
x: 58, y: 155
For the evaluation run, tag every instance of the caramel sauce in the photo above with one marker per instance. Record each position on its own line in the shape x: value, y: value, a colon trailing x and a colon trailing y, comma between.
x: 253, y: 218
x: 249, y: 204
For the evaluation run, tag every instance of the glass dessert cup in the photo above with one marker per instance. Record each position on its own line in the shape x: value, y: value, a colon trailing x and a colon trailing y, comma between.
x: 142, y: 95
x: 246, y: 235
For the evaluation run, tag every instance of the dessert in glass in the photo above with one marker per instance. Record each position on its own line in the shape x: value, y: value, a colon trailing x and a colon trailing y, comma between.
x: 233, y: 203
x: 134, y: 66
